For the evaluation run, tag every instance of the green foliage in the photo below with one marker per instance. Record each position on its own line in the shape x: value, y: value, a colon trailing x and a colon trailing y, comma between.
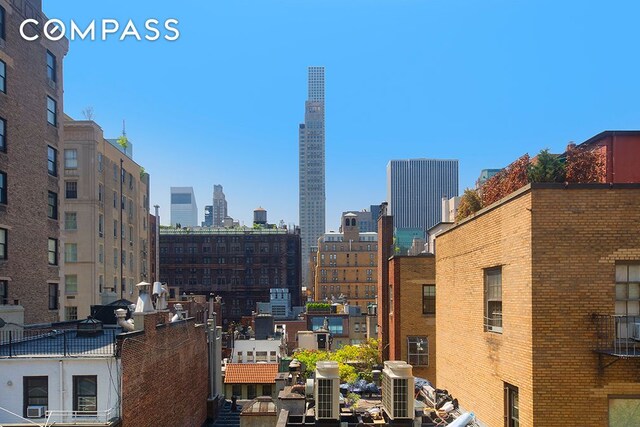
x: 123, y: 141
x: 354, y: 361
x: 318, y: 306
x: 546, y: 168
x: 142, y: 172
x: 470, y: 203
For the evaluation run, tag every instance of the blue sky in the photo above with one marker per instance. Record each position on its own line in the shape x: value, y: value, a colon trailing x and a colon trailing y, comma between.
x: 482, y: 82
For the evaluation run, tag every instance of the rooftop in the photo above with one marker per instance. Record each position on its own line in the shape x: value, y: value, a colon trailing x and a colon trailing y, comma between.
x: 251, y: 373
x: 53, y: 343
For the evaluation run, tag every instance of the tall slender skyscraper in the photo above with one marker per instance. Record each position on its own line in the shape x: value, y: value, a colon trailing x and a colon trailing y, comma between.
x: 312, y: 168
x: 219, y: 206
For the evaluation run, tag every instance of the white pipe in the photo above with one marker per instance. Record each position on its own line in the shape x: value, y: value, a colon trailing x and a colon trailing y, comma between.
x: 462, y: 420
x: 127, y: 325
x: 61, y: 385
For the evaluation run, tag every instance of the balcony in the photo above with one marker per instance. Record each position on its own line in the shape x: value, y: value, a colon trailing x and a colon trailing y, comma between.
x: 617, y: 335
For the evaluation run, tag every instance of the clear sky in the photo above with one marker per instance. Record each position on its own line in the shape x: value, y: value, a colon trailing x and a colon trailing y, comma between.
x: 479, y: 81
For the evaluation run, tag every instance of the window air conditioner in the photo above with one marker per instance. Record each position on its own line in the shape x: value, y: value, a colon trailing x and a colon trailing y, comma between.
x: 36, y: 411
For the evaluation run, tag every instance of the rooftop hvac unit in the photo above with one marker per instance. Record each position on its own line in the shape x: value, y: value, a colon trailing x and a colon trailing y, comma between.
x: 397, y: 390
x: 327, y: 390
x: 36, y: 411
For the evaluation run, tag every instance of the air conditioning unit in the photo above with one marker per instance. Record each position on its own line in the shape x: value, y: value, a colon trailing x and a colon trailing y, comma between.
x: 635, y: 331
x: 36, y: 411
x: 327, y: 390
x: 397, y: 390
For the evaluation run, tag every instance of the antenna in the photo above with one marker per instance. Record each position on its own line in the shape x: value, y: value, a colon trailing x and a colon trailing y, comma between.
x: 124, y: 130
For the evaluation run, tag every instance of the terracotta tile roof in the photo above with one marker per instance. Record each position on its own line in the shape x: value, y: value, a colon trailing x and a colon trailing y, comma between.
x: 251, y: 373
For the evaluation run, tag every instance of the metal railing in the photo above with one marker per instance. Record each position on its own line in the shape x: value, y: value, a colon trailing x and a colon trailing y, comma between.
x: 85, y: 417
x: 56, y: 342
x: 617, y: 335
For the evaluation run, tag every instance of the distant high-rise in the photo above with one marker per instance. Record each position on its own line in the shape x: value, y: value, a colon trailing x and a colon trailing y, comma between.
x: 415, y: 189
x: 184, y: 210
x: 208, y: 216
x: 311, y: 138
x: 219, y: 206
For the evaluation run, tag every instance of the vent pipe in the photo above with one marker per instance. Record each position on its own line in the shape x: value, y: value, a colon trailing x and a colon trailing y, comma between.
x: 121, y: 315
x: 144, y: 304
x: 179, y: 313
x: 160, y: 291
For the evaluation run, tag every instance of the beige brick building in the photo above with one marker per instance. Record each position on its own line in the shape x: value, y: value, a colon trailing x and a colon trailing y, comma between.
x: 105, y: 220
x: 346, y: 264
x: 528, y: 293
x: 30, y: 134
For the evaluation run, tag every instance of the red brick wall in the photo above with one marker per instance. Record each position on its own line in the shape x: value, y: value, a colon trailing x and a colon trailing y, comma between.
x: 165, y: 375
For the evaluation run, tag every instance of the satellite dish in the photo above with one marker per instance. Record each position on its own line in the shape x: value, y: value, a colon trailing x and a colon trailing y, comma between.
x: 2, y: 322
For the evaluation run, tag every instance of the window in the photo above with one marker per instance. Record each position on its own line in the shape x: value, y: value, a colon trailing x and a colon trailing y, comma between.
x: 36, y: 392
x: 100, y: 193
x: 70, y: 159
x: 52, y: 210
x: 4, y: 292
x: 249, y: 355
x: 100, y: 162
x: 266, y: 389
x: 53, y: 251
x: 71, y: 313
x: 236, y: 390
x: 70, y: 221
x: 3, y: 243
x: 428, y: 299
x: 52, y: 115
x: 101, y: 225
x: 85, y: 393
x: 418, y: 351
x: 70, y: 252
x: 251, y: 391
x: 71, y: 189
x: 3, y: 188
x: 53, y: 296
x: 51, y: 66
x: 52, y: 161
x: 100, y: 254
x: 628, y: 289
x: 493, y: 300
x: 3, y: 135
x: 3, y: 76
x: 2, y: 23
x: 70, y: 284
x: 511, y: 406
x: 115, y: 228
x: 261, y: 356
x: 624, y: 410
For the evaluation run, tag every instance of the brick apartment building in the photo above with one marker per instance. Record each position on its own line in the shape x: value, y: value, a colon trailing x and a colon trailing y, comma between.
x: 538, y: 305
x: 346, y: 264
x: 105, y: 219
x: 30, y: 136
x: 408, y: 306
x: 240, y: 265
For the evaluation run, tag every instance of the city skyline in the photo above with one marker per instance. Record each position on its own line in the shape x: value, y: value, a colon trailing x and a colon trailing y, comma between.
x: 440, y: 82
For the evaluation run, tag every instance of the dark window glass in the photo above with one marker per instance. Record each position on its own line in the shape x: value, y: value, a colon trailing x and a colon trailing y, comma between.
x: 3, y: 243
x: 52, y: 111
x: 85, y: 394
x: 2, y: 23
x: 4, y: 292
x: 51, y: 66
x: 3, y: 76
x: 52, y: 161
x: 53, y: 296
x: 71, y: 189
x: 36, y: 392
x: 3, y: 188
x: 52, y: 211
x: 428, y: 299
